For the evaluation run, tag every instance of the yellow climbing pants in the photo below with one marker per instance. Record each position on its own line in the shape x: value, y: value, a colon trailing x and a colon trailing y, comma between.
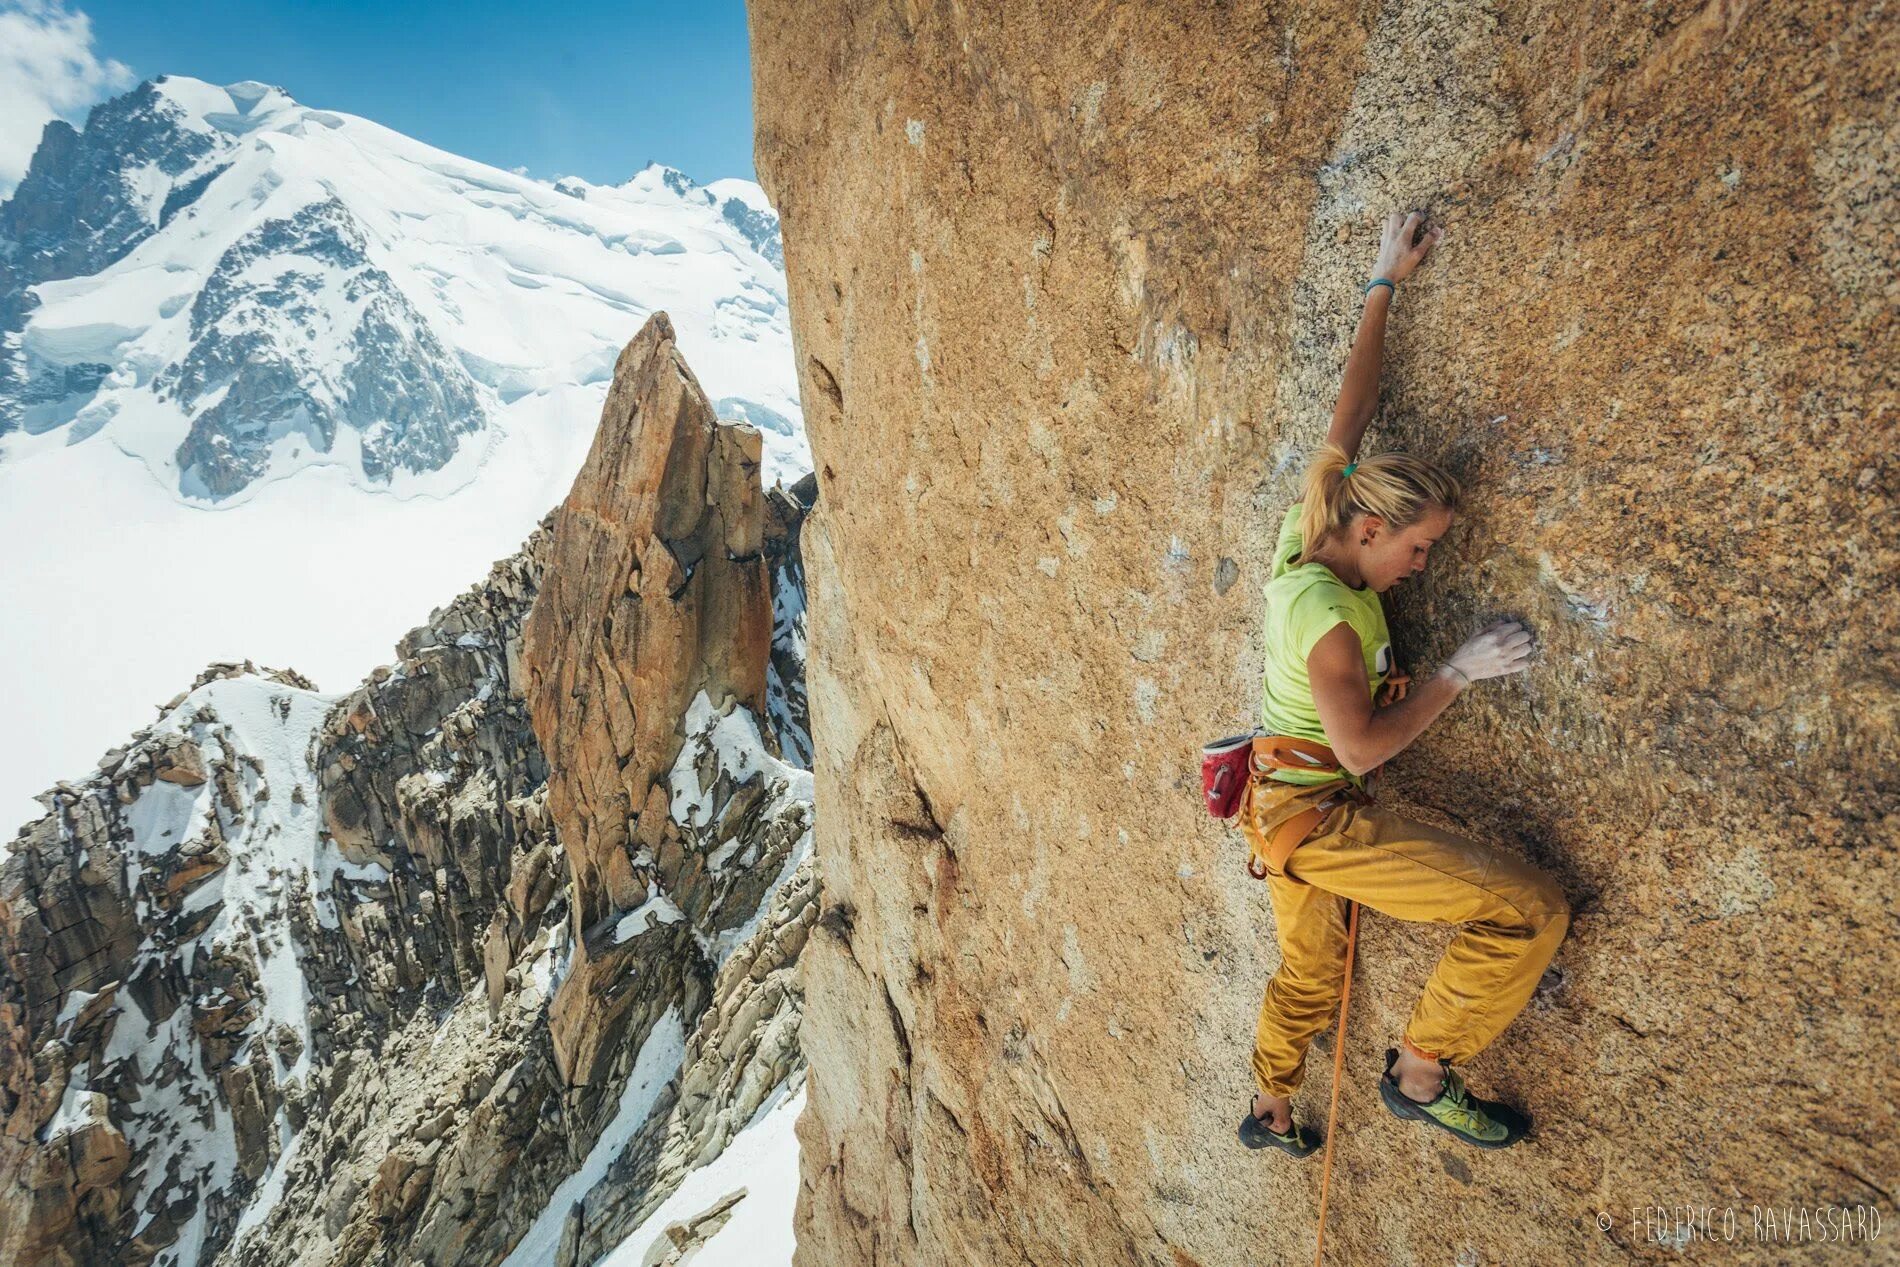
x: 1512, y: 914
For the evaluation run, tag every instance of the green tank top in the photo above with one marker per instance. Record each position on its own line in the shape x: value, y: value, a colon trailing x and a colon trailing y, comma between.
x: 1303, y: 605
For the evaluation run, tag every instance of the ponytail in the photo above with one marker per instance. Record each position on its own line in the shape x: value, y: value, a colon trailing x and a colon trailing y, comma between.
x: 1397, y: 487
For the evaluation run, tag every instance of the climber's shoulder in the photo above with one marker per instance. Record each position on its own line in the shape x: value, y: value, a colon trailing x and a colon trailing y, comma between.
x: 1289, y: 542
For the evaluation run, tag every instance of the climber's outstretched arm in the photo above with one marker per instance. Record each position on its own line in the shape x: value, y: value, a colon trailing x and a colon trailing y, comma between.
x: 1359, y: 394
x: 1359, y: 397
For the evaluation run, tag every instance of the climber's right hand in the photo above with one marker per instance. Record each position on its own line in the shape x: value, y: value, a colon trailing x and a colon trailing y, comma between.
x: 1397, y: 256
x: 1494, y: 651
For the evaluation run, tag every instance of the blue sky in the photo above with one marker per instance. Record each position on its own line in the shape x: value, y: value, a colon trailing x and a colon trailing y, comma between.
x: 576, y: 87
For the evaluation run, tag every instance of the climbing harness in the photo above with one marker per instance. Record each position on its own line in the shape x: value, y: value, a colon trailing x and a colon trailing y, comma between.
x: 1281, y: 817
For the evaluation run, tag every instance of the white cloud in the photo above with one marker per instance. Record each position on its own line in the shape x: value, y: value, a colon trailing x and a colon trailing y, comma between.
x: 47, y: 68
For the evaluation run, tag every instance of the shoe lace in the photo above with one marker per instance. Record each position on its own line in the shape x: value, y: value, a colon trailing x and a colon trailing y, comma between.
x: 1459, y: 1108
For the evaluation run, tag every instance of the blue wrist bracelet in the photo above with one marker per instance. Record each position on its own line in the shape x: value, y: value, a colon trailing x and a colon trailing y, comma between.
x: 1380, y: 281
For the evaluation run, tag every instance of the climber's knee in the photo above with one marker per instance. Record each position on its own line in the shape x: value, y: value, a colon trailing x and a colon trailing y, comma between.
x: 1533, y: 895
x: 1547, y: 910
x: 1555, y: 907
x: 1294, y: 993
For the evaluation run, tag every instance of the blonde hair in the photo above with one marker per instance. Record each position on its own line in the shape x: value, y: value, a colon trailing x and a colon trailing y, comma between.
x: 1397, y: 487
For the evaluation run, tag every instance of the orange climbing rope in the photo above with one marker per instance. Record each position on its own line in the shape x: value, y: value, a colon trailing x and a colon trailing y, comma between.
x: 1339, y: 1071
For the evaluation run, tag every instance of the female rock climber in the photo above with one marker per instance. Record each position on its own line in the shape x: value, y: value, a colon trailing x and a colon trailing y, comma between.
x: 1361, y: 528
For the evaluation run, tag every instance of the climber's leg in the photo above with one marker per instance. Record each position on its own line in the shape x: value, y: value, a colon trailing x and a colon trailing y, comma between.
x: 1303, y: 995
x: 1513, y: 915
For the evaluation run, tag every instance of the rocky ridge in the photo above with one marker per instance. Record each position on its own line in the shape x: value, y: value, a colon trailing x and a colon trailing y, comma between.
x: 658, y: 591
x: 279, y: 973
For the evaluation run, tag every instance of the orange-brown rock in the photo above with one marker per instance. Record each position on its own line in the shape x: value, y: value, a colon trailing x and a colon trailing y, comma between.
x: 656, y: 589
x: 182, y: 764
x: 1072, y: 291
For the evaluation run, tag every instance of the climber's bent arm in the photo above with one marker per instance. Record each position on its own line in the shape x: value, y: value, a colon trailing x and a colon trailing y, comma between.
x: 1359, y: 394
x: 1361, y: 736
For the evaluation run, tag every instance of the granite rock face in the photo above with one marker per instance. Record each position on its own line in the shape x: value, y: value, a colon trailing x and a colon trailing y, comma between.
x: 1072, y: 299
x: 658, y: 592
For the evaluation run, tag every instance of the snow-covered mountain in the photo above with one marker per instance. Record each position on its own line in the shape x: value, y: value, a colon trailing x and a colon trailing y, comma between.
x: 270, y: 374
x: 233, y: 286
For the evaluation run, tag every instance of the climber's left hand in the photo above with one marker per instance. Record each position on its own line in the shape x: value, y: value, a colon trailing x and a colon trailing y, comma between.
x: 1396, y: 684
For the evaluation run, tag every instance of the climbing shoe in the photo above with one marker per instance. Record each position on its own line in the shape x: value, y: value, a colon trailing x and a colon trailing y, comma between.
x: 1298, y: 1140
x: 1484, y: 1123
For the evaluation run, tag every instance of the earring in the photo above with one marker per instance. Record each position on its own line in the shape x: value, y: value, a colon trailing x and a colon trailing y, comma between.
x: 1365, y: 541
